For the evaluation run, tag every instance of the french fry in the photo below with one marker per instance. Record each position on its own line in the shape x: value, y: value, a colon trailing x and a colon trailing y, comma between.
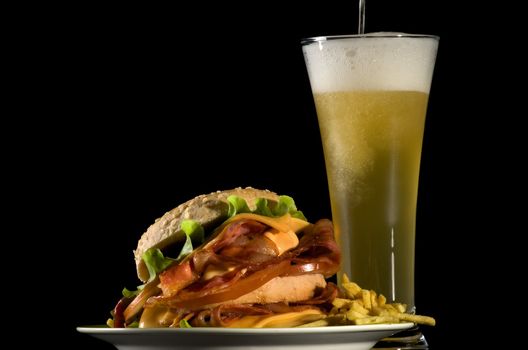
x: 380, y: 311
x: 419, y: 319
x: 376, y: 320
x: 400, y: 307
x: 352, y: 290
x: 391, y: 308
x: 352, y: 315
x: 382, y: 300
x: 340, y: 303
x: 328, y: 321
x: 366, y: 298
x: 356, y: 306
x: 362, y: 306
x: 373, y: 299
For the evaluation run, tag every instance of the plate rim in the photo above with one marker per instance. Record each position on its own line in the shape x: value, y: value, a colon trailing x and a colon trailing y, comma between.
x: 101, y: 329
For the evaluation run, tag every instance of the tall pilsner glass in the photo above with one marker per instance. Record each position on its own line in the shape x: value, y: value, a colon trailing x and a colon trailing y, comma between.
x: 371, y: 95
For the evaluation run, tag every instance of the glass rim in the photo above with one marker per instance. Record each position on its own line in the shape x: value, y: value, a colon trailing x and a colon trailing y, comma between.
x: 378, y: 35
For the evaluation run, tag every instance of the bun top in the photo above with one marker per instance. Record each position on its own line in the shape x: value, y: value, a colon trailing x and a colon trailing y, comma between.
x: 207, y: 209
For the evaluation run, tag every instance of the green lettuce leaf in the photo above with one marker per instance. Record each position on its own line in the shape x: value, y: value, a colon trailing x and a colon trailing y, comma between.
x: 262, y: 207
x: 286, y: 204
x: 184, y: 324
x: 194, y: 230
x: 194, y: 233
x: 155, y: 262
x: 130, y: 293
x: 299, y: 215
x: 186, y: 249
x: 237, y: 205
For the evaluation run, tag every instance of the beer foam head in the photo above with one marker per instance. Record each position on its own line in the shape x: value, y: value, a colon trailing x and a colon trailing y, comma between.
x: 376, y: 61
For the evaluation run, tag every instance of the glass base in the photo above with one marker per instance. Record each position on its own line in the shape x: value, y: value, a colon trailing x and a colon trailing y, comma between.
x: 406, y: 340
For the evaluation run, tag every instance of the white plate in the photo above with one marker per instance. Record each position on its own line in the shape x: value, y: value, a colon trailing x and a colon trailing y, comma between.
x: 320, y: 338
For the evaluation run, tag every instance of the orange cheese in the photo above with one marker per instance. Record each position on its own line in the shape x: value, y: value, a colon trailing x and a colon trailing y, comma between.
x: 288, y: 319
x: 283, y: 241
x: 283, y: 232
x: 283, y: 223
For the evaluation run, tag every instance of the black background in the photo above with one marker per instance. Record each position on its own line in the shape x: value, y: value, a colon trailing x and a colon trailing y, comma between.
x: 136, y: 109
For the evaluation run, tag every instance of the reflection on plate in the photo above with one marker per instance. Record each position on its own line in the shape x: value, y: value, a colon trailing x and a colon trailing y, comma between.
x: 320, y: 338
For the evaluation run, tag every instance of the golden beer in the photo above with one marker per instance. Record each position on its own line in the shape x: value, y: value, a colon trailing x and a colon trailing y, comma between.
x: 371, y: 95
x: 372, y: 142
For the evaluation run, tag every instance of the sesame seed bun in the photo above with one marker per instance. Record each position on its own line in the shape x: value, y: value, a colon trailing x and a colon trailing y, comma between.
x: 209, y: 210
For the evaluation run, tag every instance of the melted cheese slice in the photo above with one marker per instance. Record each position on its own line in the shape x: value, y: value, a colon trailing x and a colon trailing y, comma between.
x: 288, y: 319
x: 283, y: 223
x: 283, y: 241
x: 284, y: 229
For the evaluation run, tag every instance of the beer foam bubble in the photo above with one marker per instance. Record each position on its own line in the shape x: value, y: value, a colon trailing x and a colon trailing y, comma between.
x: 371, y: 62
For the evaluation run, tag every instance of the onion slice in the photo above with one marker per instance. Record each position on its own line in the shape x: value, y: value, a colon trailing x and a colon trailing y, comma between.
x: 136, y: 306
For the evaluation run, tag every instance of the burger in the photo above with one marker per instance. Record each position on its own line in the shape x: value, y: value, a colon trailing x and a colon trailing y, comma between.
x: 236, y: 258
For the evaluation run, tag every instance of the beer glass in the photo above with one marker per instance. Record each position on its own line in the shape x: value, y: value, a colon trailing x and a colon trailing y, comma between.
x: 371, y: 95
